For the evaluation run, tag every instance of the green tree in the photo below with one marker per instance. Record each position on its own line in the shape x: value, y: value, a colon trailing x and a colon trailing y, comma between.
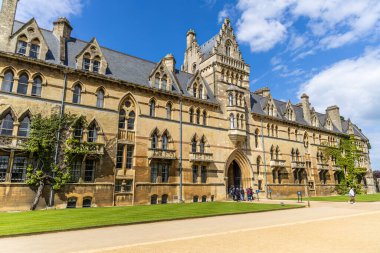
x: 52, y: 147
x: 347, y: 156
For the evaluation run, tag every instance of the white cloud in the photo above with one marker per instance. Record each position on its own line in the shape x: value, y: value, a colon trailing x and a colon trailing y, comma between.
x: 46, y: 11
x: 264, y: 24
x: 353, y: 85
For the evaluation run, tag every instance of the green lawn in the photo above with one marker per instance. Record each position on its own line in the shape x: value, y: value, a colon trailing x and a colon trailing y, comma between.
x: 345, y: 198
x: 16, y: 223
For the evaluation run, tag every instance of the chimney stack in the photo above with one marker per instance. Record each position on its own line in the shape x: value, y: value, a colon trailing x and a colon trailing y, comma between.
x: 264, y: 92
x: 169, y: 61
x: 333, y: 113
x: 62, y: 28
x: 306, y: 108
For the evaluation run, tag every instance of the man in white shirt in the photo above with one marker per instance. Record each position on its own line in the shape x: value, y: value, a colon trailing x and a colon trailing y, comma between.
x: 351, y: 193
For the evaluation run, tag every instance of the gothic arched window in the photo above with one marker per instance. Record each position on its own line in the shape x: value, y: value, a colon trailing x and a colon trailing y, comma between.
x: 24, y: 127
x: 7, y: 84
x: 22, y: 87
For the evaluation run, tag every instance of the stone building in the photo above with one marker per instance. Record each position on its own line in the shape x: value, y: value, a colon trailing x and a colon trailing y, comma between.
x: 150, y: 121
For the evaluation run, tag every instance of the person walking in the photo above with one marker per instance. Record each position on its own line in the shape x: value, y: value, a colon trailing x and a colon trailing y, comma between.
x: 351, y: 193
x: 242, y: 194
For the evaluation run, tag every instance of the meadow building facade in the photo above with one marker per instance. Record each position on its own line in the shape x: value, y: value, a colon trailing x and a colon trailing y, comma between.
x: 150, y: 120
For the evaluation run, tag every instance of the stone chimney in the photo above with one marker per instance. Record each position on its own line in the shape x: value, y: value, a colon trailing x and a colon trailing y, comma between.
x: 190, y: 38
x: 62, y: 28
x: 264, y: 92
x: 333, y: 112
x: 169, y: 61
x: 7, y: 18
x: 350, y: 129
x: 306, y: 108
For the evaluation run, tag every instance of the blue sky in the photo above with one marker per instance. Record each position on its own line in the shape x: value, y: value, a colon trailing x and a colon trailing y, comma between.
x: 328, y: 49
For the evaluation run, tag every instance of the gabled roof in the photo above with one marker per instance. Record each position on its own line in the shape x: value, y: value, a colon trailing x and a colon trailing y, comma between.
x: 259, y: 102
x: 120, y: 65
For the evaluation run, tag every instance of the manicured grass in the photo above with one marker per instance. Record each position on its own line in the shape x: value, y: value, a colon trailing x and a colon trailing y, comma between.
x: 345, y: 198
x: 69, y: 219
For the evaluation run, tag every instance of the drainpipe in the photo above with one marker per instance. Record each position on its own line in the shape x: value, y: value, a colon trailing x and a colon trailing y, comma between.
x: 180, y: 150
x: 265, y: 163
x: 51, y: 197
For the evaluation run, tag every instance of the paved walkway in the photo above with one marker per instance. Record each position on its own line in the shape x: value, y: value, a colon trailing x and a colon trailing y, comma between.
x: 325, y: 227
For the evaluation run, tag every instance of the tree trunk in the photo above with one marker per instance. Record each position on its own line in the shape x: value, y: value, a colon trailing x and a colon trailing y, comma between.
x: 38, y: 195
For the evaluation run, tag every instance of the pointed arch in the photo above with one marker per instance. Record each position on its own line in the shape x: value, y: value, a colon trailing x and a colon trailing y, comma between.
x: 244, y: 164
x: 9, y: 109
x: 26, y: 113
x: 154, y: 138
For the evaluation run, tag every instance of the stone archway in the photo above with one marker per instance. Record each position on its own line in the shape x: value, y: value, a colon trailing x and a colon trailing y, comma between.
x: 238, y: 171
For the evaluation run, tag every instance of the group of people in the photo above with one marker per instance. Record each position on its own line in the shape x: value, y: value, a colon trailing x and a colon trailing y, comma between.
x: 239, y: 194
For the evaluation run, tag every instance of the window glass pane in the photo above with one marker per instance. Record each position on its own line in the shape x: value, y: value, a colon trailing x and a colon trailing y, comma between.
x: 129, y: 156
x: 19, y: 169
x: 92, y: 134
x: 87, y: 202
x: 24, y: 127
x: 118, y: 185
x: 34, y: 51
x: 21, y: 47
x: 203, y: 174
x: 169, y: 111
x: 96, y: 66
x: 89, y: 171
x: 119, y: 156
x: 86, y: 64
x: 165, y: 173
x: 122, y: 119
x: 128, y: 186
x: 193, y: 146
x: 164, y: 142
x: 78, y: 132
x: 7, y: 84
x: 22, y: 87
x: 3, y: 167
x: 37, y: 86
x: 154, y: 141
x: 100, y: 99
x: 75, y: 171
x: 71, y: 203
x: 131, y: 120
x: 195, y: 174
x: 7, y: 125
x: 152, y: 108
x: 77, y: 94
x: 153, y: 173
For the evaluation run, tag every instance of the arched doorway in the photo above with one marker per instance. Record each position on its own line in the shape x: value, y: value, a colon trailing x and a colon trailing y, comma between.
x: 234, y: 175
x: 238, y: 171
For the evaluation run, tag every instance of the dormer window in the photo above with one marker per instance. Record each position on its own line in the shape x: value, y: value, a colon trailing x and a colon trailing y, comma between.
x: 96, y: 66
x: 21, y: 47
x: 157, y: 81
x: 200, y: 91
x: 195, y: 90
x: 86, y: 62
x: 164, y: 82
x: 35, y: 49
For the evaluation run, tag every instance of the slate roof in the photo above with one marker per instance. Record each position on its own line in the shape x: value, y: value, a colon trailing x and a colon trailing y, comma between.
x: 206, y: 48
x: 258, y: 104
x: 120, y: 65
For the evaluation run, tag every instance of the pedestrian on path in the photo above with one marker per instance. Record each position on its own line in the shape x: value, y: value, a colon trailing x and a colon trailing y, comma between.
x: 351, y: 193
x: 242, y: 194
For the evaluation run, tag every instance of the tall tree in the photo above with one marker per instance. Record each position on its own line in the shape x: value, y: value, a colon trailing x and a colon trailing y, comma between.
x: 52, y: 147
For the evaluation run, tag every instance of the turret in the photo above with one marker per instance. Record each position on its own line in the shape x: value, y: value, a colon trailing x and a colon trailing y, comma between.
x: 190, y: 38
